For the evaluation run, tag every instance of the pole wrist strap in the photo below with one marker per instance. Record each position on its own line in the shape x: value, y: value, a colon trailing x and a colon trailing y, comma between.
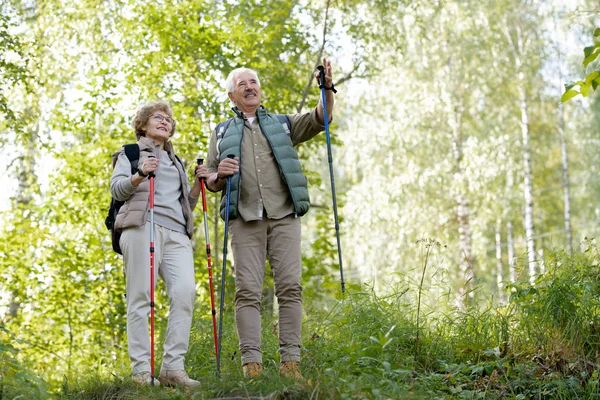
x: 328, y: 88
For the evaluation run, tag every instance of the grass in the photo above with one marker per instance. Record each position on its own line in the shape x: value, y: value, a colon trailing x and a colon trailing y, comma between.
x: 542, y: 344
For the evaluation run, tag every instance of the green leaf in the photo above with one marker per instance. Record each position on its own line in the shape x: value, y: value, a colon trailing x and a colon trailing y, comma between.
x: 592, y: 76
x: 591, y: 53
x: 569, y: 94
x: 590, y: 81
x: 596, y: 32
x: 585, y: 90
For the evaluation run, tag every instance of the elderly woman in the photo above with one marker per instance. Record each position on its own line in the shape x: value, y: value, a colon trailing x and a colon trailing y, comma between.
x: 173, y: 204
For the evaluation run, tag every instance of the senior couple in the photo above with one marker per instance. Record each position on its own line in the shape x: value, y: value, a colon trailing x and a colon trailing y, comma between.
x: 269, y: 193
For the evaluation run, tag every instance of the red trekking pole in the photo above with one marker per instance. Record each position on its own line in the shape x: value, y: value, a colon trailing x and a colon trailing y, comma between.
x: 151, y: 179
x: 209, y: 261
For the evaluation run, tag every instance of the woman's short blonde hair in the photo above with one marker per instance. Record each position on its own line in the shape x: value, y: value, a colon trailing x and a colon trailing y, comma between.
x: 146, y: 111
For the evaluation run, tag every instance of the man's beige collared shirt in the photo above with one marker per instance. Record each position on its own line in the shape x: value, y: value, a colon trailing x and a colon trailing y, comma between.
x: 263, y: 192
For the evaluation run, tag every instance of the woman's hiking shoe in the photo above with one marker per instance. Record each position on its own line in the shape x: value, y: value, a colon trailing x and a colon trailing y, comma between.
x: 144, y: 378
x: 291, y: 369
x: 180, y: 378
x: 252, y: 369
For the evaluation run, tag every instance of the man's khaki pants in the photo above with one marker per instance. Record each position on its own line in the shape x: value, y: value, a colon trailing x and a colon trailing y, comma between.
x: 174, y: 262
x: 252, y: 243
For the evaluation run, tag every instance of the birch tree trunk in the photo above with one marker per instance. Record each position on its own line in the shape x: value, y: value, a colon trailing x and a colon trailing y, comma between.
x: 464, y: 237
x: 527, y: 174
x: 464, y: 228
x: 511, y: 253
x: 518, y: 44
x: 527, y: 186
x: 453, y: 106
x: 565, y: 175
x: 499, y: 266
x: 541, y: 264
x: 563, y: 152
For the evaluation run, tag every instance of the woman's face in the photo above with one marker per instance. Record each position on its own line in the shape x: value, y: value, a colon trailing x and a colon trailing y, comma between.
x: 159, y: 127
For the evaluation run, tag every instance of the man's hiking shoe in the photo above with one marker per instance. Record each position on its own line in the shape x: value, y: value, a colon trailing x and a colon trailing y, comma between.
x: 144, y: 379
x: 180, y: 378
x: 291, y: 369
x: 252, y: 369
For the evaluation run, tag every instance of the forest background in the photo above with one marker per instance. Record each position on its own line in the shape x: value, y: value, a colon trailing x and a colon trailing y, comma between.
x: 451, y: 150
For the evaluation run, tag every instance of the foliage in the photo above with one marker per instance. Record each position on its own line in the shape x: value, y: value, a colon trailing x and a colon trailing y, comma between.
x: 419, y: 80
x: 12, y: 66
x: 16, y: 380
x: 592, y: 80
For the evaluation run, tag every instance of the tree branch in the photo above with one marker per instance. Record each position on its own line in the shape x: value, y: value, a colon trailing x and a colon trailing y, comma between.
x: 348, y: 76
x: 311, y: 78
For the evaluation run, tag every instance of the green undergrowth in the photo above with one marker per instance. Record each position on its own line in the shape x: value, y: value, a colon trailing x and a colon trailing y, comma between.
x: 542, y: 343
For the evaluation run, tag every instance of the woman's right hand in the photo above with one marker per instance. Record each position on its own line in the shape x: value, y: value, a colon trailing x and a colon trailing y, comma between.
x: 150, y: 164
x: 201, y: 172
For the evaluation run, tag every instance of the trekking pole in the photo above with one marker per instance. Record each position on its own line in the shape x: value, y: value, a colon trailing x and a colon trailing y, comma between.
x: 209, y: 260
x: 151, y: 179
x: 330, y: 159
x: 227, y: 201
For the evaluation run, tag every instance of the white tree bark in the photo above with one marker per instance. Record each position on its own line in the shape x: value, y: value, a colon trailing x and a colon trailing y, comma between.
x: 511, y: 253
x: 518, y: 44
x: 565, y: 175
x: 454, y: 112
x: 527, y: 181
x: 499, y: 266
x: 527, y: 185
x: 563, y: 151
x: 453, y: 107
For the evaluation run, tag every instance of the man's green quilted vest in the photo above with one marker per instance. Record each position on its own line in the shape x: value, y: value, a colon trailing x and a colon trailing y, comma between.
x: 284, y: 152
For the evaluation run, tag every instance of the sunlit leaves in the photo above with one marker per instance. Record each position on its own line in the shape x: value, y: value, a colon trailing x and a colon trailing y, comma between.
x: 592, y: 80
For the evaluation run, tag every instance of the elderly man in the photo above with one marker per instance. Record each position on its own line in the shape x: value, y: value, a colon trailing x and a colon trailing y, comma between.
x: 268, y: 194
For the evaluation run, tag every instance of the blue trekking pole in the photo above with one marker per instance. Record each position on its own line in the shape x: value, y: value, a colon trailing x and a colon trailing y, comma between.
x: 330, y: 159
x: 227, y: 200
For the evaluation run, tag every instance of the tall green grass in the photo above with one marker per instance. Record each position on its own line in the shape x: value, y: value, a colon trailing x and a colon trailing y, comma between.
x: 542, y: 344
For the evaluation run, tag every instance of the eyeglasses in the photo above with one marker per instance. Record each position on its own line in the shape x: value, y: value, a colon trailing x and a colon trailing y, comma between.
x: 161, y: 118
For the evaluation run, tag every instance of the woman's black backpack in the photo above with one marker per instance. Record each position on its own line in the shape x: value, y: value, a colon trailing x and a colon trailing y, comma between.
x: 132, y: 151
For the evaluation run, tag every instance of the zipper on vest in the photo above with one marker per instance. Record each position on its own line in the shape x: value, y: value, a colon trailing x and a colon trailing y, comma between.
x: 294, y: 200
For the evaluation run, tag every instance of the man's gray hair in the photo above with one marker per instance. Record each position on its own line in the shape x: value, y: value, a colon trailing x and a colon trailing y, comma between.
x: 230, y: 84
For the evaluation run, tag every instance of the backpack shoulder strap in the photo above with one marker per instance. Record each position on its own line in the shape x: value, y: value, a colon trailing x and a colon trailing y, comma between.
x: 180, y: 162
x: 132, y: 151
x: 284, y: 120
x: 221, y: 129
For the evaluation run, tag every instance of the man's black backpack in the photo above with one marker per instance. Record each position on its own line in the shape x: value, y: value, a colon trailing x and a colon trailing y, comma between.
x: 132, y: 151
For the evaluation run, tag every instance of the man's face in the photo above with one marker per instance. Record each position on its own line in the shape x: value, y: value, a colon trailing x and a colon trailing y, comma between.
x: 246, y: 93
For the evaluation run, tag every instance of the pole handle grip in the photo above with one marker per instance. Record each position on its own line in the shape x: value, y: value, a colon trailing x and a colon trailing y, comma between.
x: 200, y: 161
x: 232, y: 156
x: 321, y: 76
x: 151, y: 174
